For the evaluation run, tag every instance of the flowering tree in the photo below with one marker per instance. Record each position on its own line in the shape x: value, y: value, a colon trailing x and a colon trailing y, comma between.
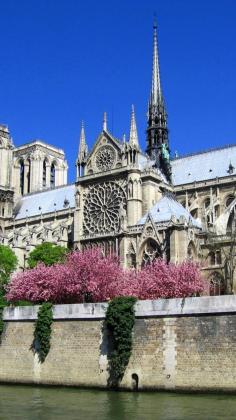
x: 162, y: 280
x: 85, y: 276
x: 88, y: 276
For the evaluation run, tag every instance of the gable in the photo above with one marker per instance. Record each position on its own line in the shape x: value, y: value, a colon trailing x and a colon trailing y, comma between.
x: 105, y: 155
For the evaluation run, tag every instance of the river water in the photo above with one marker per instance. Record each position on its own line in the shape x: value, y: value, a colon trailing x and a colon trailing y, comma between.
x: 38, y: 403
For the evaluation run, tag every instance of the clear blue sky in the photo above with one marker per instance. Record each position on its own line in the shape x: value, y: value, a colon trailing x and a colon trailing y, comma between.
x: 67, y: 60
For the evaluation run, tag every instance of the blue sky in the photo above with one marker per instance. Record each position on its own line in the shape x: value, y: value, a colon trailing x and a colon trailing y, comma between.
x: 67, y: 60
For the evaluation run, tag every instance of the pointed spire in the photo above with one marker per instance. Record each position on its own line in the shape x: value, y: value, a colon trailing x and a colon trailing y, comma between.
x: 83, y: 148
x: 133, y: 136
x: 104, y: 126
x: 156, y: 94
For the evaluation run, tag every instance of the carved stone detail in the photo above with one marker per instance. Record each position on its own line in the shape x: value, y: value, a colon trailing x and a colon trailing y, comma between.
x: 105, y: 158
x: 102, y: 208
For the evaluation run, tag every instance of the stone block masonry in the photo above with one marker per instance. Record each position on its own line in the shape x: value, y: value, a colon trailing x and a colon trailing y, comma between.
x: 178, y: 344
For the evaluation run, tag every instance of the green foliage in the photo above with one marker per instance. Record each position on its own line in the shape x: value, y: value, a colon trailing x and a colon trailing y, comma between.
x: 8, y: 263
x: 42, y: 332
x: 1, y: 320
x: 120, y: 318
x: 46, y: 253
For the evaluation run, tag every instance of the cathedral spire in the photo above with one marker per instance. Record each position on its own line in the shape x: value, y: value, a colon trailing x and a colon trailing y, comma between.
x: 83, y: 148
x: 156, y: 94
x: 82, y: 153
x: 157, y: 131
x: 133, y: 136
x: 104, y: 124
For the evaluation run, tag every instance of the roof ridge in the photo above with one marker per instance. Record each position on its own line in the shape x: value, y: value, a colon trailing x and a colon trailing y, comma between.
x: 213, y: 149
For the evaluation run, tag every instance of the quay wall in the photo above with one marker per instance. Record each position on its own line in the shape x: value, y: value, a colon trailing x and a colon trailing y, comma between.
x: 178, y: 344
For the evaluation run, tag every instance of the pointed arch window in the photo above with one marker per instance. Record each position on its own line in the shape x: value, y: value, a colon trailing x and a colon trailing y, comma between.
x: 28, y: 176
x: 217, y: 285
x: 151, y: 251
x: 22, y: 176
x: 44, y: 173
x: 52, y: 175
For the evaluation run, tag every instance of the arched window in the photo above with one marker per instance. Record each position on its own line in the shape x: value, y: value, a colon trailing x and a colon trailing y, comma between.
x: 206, y: 203
x: 28, y: 177
x: 214, y: 258
x: 229, y: 200
x: 44, y: 173
x: 217, y: 285
x: 194, y: 213
x: 231, y: 222
x: 150, y: 252
x: 191, y: 251
x: 22, y: 176
x: 217, y: 211
x: 52, y: 175
x: 206, y: 206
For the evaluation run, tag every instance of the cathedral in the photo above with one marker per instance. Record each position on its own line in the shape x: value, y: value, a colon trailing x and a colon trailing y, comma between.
x: 137, y: 204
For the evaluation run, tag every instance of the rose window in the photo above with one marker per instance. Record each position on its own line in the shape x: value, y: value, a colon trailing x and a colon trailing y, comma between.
x: 105, y: 158
x: 102, y: 208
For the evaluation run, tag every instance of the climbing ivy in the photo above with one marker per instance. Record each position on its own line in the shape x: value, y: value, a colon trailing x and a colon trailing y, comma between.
x: 120, y: 318
x: 1, y: 320
x: 42, y: 332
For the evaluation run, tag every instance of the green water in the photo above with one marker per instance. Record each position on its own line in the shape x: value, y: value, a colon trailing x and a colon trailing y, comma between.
x: 21, y: 402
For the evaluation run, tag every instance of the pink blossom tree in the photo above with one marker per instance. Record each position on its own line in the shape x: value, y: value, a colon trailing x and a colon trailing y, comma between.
x: 85, y: 276
x: 89, y: 276
x: 163, y: 280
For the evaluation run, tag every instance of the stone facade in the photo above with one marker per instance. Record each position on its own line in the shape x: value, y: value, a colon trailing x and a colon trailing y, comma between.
x: 186, y: 345
x: 135, y: 204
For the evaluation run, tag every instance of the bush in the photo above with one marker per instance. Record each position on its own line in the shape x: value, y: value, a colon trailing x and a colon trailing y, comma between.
x: 47, y: 254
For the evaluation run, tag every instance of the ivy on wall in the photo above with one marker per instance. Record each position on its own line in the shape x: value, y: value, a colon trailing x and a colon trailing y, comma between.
x: 1, y: 320
x: 120, y: 318
x: 42, y: 332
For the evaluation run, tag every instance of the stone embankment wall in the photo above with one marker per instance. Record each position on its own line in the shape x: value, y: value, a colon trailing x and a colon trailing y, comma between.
x: 178, y: 344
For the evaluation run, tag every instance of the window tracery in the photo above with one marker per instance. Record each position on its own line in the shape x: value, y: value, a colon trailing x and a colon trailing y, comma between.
x: 102, y: 208
x: 217, y: 285
x: 105, y: 158
x: 151, y: 251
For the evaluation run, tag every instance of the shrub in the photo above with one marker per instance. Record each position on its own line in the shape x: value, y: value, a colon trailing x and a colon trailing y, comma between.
x: 47, y: 254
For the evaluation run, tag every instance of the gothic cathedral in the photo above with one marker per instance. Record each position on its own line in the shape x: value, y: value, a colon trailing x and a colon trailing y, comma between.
x: 137, y: 204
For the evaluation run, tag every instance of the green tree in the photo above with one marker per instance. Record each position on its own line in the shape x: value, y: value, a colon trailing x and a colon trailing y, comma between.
x: 46, y: 253
x: 8, y: 263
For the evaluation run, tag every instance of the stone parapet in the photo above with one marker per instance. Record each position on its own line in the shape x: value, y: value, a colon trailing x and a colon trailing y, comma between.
x: 205, y: 305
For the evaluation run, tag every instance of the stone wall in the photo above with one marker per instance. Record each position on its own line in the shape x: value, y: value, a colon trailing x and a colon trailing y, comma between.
x: 178, y: 344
